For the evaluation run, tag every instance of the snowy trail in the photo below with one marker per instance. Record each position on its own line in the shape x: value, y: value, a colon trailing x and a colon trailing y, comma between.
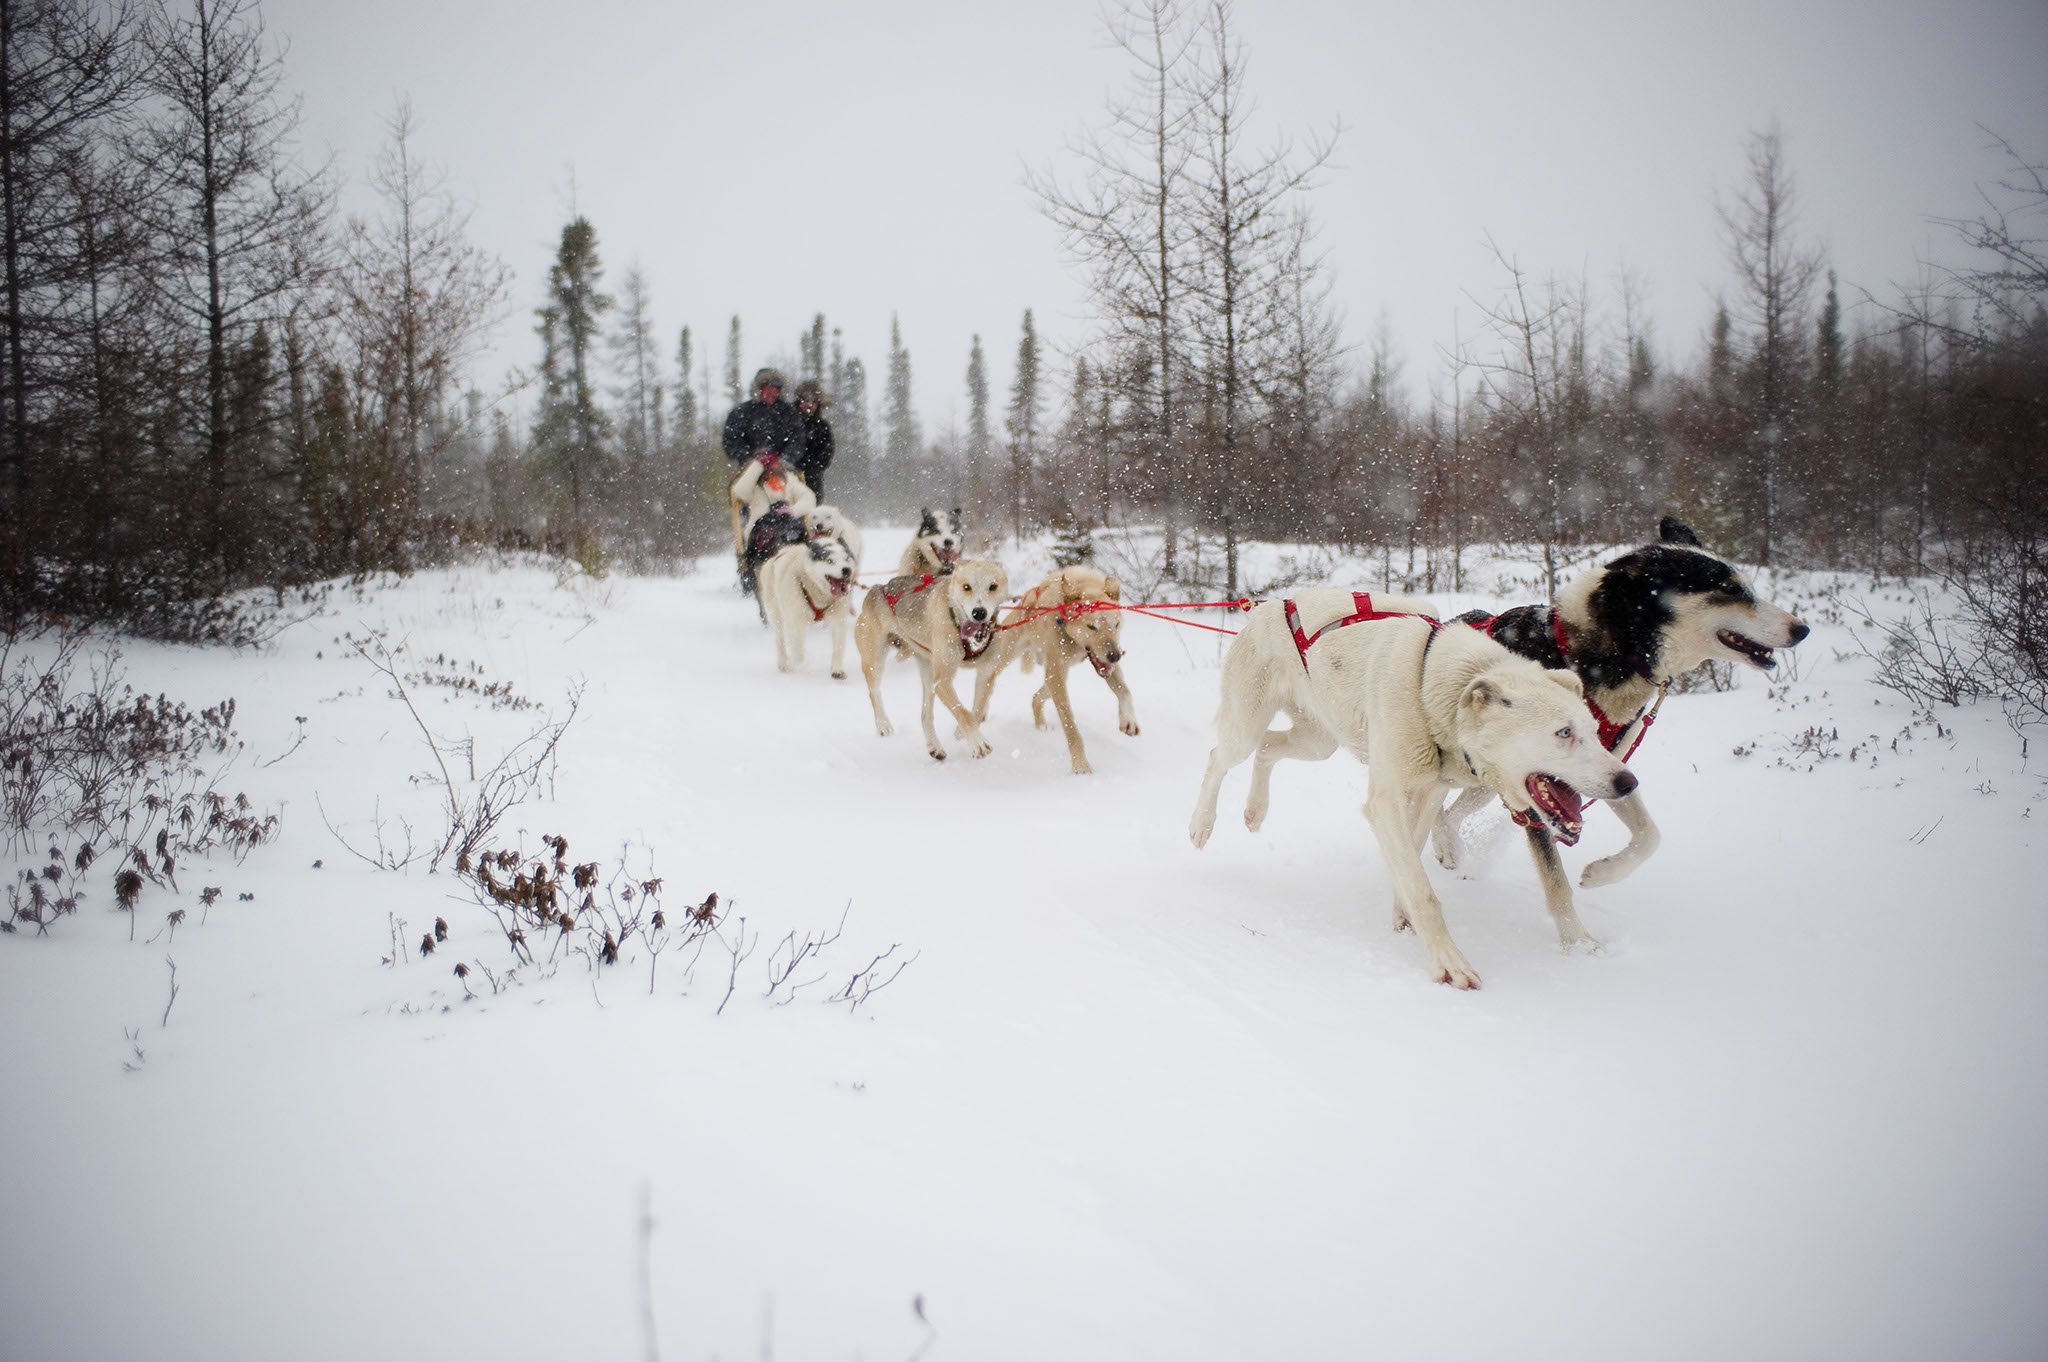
x: 1130, y: 1101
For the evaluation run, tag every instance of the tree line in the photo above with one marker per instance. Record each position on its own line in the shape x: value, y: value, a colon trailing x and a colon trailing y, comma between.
x: 1219, y: 400
x: 211, y: 379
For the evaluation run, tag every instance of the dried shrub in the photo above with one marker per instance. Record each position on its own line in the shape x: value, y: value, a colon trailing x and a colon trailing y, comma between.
x: 86, y: 761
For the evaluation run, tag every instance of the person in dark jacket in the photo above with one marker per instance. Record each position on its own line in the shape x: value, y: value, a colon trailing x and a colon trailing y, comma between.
x: 765, y: 424
x: 814, y: 446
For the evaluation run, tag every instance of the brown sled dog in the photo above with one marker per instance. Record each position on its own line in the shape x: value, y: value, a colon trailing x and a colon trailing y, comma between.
x: 942, y: 624
x: 1068, y: 617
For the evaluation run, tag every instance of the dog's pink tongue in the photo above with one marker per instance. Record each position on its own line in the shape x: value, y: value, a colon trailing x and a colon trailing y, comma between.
x: 1568, y: 802
x: 1558, y: 797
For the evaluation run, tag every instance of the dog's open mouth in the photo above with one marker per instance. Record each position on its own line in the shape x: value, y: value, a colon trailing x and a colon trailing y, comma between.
x: 838, y: 585
x: 974, y: 637
x: 946, y: 557
x: 1559, y: 806
x: 1102, y: 668
x: 1756, y: 654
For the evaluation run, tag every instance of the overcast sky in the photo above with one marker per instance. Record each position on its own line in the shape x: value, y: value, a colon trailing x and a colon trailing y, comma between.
x: 777, y: 161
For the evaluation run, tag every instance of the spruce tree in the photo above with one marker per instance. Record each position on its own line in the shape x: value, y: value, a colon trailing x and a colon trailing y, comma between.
x: 734, y: 392
x: 899, y: 423
x: 1022, y: 423
x: 570, y: 435
x: 853, y: 463
x: 979, y: 442
x: 687, y: 432
x: 813, y: 351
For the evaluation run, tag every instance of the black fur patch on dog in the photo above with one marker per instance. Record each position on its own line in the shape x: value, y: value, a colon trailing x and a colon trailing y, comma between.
x: 1525, y: 630
x: 1629, y: 608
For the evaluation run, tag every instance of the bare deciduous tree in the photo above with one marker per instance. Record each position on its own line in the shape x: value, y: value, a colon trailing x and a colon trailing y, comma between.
x: 1125, y: 223
x: 1774, y: 277
x: 418, y: 300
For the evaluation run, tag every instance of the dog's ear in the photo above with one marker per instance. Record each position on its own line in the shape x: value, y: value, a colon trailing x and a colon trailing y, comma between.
x: 927, y: 525
x: 1063, y: 587
x: 958, y: 519
x: 1568, y: 679
x: 1671, y: 530
x: 1481, y: 692
x: 1111, y: 590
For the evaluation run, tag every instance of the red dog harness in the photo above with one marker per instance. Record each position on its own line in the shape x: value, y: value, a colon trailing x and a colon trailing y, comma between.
x: 1364, y: 614
x: 923, y: 583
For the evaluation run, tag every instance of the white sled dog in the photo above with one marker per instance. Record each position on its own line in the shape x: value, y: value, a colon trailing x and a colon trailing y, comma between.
x: 943, y: 623
x: 940, y: 540
x: 1070, y: 616
x: 1629, y: 629
x: 826, y: 521
x: 1426, y: 709
x: 806, y: 584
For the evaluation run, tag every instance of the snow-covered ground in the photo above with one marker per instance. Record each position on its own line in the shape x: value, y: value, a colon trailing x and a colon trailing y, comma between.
x: 1127, y: 1100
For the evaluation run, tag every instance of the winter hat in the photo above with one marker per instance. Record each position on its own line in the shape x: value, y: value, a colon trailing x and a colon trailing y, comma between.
x: 763, y: 377
x: 810, y: 390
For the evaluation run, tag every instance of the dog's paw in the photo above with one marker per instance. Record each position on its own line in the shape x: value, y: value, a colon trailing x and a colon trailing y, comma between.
x: 981, y: 748
x: 1449, y: 967
x: 1082, y: 768
x: 1254, y: 815
x: 885, y: 728
x: 938, y: 753
x: 1583, y: 945
x: 839, y: 676
x: 1128, y: 727
x: 1457, y: 976
x: 1199, y: 828
x: 1607, y: 870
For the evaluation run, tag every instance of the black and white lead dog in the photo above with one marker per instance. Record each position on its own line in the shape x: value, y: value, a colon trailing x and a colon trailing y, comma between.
x: 1629, y: 629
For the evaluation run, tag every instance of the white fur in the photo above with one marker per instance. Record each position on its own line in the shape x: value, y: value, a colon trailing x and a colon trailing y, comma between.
x: 794, y: 586
x: 1468, y: 713
x: 826, y: 521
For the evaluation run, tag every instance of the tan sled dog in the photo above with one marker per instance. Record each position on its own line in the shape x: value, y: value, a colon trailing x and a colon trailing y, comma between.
x: 941, y: 623
x: 1427, y: 709
x: 1068, y: 617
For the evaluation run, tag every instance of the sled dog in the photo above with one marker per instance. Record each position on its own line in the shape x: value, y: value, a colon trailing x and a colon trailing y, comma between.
x: 943, y: 623
x: 806, y: 584
x: 825, y: 521
x: 1426, y: 708
x: 1069, y: 617
x: 1629, y: 629
x: 940, y: 540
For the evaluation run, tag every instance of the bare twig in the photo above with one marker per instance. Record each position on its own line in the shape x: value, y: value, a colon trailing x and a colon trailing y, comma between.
x: 174, y: 993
